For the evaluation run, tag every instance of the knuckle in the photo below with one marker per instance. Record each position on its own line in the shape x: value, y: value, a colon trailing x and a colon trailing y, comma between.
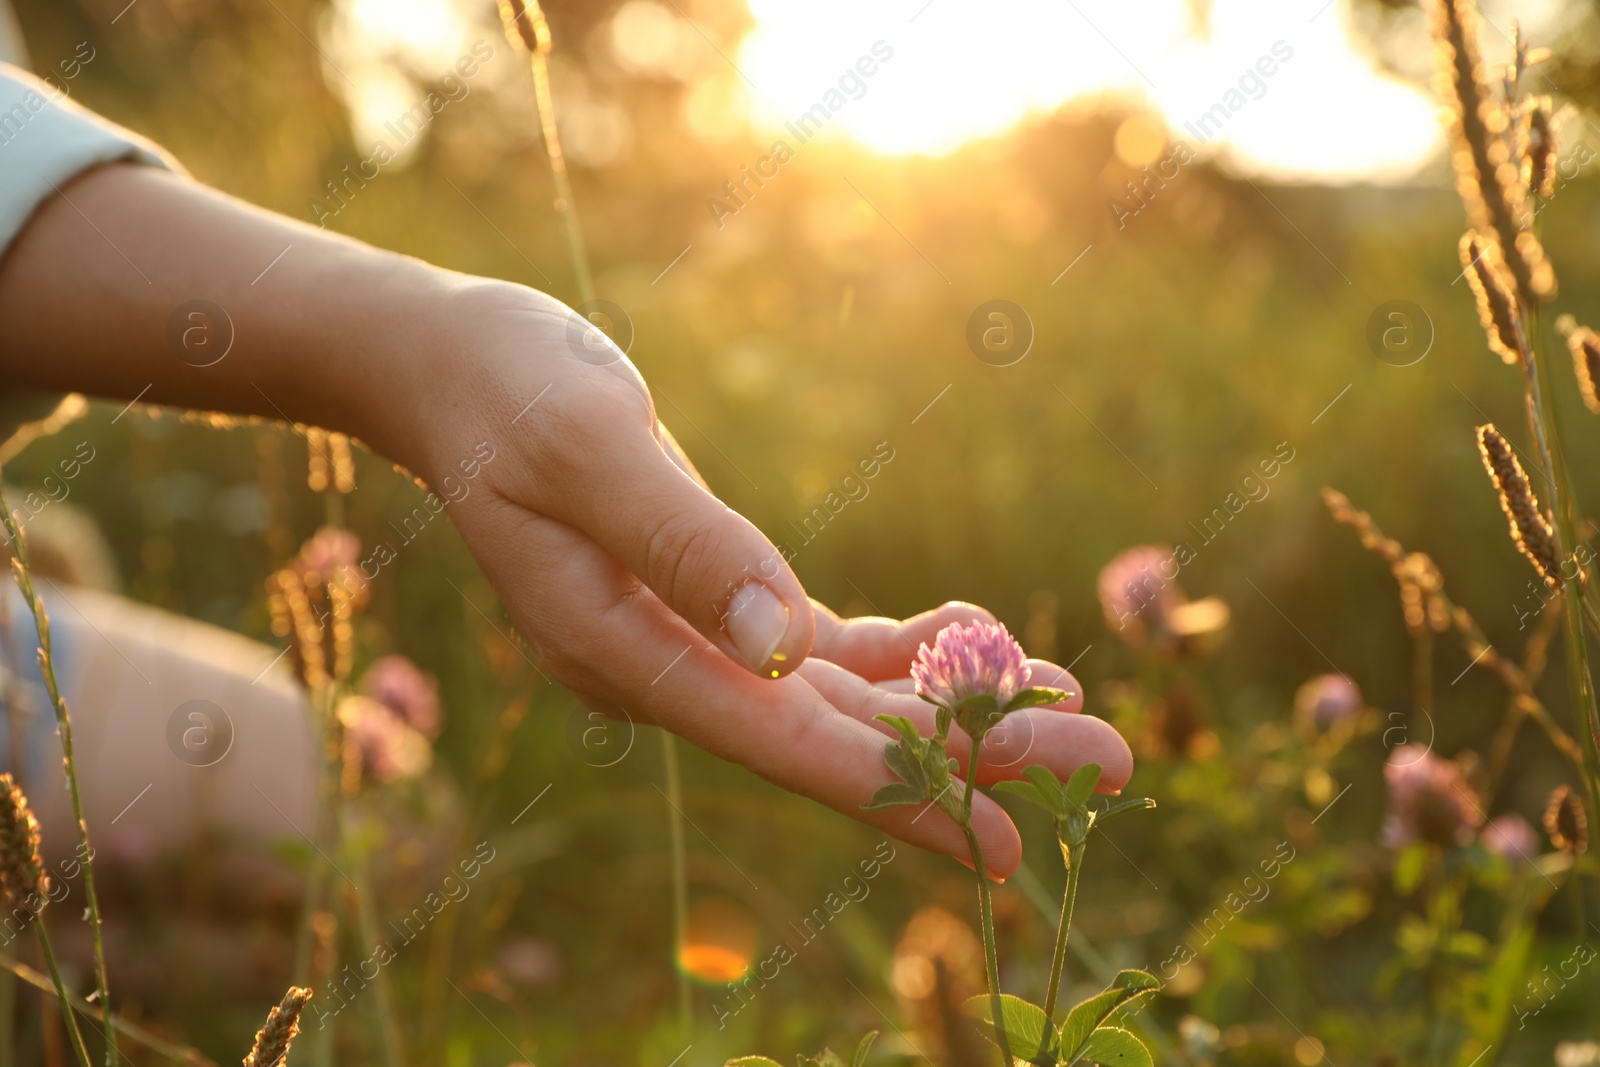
x: 677, y: 551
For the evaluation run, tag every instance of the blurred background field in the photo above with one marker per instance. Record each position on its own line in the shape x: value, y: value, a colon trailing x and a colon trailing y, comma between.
x: 1224, y: 322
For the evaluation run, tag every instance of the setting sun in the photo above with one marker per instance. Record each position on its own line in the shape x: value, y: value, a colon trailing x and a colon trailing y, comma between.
x: 1323, y: 111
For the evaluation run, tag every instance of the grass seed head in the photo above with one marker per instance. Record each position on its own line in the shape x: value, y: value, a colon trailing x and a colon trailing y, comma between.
x: 1539, y: 150
x: 1529, y: 527
x: 1584, y: 344
x: 1488, y: 178
x: 1565, y: 821
x: 1497, y: 303
x: 23, y: 883
x: 283, y: 1023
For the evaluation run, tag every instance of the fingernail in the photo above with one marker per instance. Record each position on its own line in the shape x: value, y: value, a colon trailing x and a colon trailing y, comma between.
x: 756, y: 622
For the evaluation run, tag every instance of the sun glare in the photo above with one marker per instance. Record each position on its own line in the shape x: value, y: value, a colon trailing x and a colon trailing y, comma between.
x: 1274, y: 86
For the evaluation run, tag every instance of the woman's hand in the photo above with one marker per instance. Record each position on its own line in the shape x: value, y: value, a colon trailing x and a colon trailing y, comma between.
x: 640, y: 590
x: 649, y: 598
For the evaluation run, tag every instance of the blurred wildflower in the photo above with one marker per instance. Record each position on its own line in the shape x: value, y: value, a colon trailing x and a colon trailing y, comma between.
x: 1133, y: 583
x: 1511, y: 837
x: 283, y: 1023
x: 1529, y: 528
x: 23, y: 884
x: 527, y: 961
x: 1327, y: 699
x: 379, y: 744
x: 1429, y: 800
x: 1566, y: 822
x: 408, y: 691
x: 1142, y: 600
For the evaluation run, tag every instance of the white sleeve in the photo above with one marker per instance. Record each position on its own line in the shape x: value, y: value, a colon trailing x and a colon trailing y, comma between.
x: 46, y: 140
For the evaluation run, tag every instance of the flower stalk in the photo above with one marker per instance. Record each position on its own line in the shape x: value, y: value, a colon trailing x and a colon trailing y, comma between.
x: 41, y: 622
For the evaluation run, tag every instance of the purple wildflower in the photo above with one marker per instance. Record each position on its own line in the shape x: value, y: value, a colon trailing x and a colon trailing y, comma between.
x: 1138, y: 593
x: 1327, y: 699
x: 388, y: 748
x: 405, y: 689
x: 967, y: 660
x: 1429, y: 800
x: 1512, y: 837
x: 329, y: 551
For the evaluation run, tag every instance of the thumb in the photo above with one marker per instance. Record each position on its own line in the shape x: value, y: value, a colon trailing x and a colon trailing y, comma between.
x: 708, y: 563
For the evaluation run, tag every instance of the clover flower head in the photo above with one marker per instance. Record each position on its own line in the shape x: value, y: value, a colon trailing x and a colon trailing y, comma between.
x: 1511, y: 837
x: 967, y: 661
x: 379, y: 744
x: 404, y: 688
x: 1429, y: 800
x: 1327, y: 699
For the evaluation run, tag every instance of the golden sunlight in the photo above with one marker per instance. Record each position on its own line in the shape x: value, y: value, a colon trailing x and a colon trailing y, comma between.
x: 1274, y: 86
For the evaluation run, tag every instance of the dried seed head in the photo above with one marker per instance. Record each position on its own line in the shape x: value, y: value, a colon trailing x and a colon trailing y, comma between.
x: 1565, y: 821
x: 23, y: 883
x: 1422, y: 594
x: 1539, y: 150
x: 1529, y: 528
x: 1487, y: 177
x: 1372, y: 539
x: 1585, y: 346
x: 525, y: 25
x: 283, y: 1023
x: 1497, y: 306
x: 330, y: 463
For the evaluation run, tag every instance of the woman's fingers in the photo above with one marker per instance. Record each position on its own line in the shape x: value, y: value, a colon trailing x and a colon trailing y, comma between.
x: 877, y: 648
x: 1060, y: 742
x: 606, y: 635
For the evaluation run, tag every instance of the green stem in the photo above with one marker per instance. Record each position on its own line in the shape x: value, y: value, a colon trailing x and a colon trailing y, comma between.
x: 680, y: 876
x: 1074, y: 856
x: 61, y: 994
x: 1542, y: 418
x: 558, y: 174
x: 367, y: 923
x: 991, y: 956
x: 12, y: 970
x: 322, y: 709
x: 47, y: 669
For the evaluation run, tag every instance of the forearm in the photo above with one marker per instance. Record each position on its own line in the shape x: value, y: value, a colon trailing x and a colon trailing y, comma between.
x: 325, y: 330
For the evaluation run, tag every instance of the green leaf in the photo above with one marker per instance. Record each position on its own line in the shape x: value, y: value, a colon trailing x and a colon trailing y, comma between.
x: 1119, y: 807
x: 1027, y: 791
x: 1084, y: 1019
x: 903, y: 726
x: 860, y: 1058
x: 895, y: 794
x: 1041, y: 788
x: 1409, y: 867
x: 1033, y: 698
x: 1081, y: 785
x: 1028, y: 1029
x: 1111, y: 1047
x: 752, y: 1061
x: 905, y: 758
